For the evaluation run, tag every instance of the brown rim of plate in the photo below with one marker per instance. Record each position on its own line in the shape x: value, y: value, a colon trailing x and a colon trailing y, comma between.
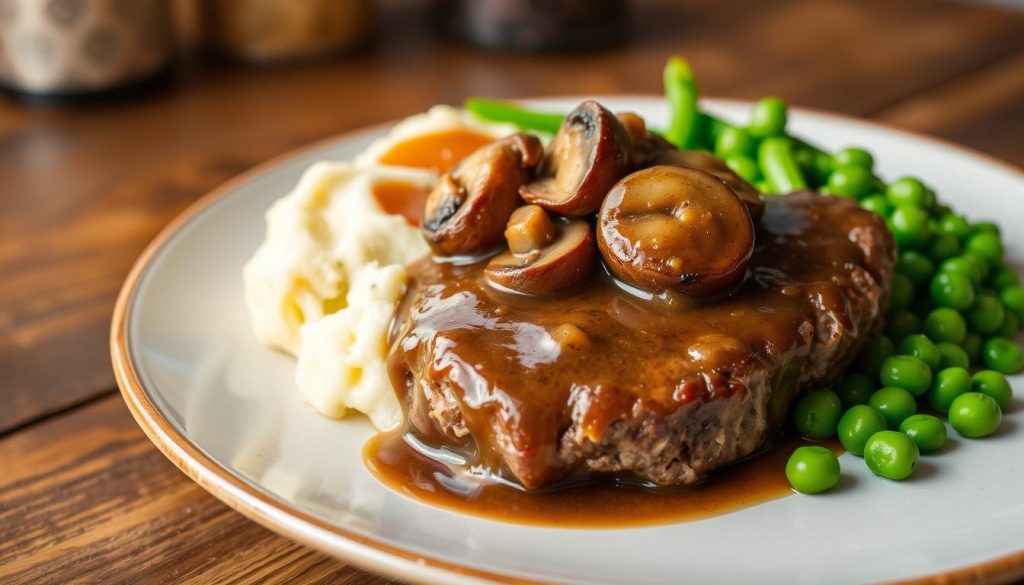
x: 359, y: 550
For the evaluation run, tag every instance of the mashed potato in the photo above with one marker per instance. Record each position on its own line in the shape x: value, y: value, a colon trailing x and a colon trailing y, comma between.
x: 342, y: 362
x: 325, y: 283
x: 319, y: 237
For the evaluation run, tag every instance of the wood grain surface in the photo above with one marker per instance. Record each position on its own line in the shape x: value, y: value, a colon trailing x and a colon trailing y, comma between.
x: 84, y: 497
x: 89, y: 489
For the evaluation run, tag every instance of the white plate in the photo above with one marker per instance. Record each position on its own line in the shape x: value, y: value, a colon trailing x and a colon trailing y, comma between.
x: 226, y: 411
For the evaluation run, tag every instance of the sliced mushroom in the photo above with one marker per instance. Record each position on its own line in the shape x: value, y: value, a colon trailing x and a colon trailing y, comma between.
x: 560, y: 265
x: 467, y: 211
x: 709, y: 163
x: 635, y: 127
x: 672, y: 228
x: 586, y: 157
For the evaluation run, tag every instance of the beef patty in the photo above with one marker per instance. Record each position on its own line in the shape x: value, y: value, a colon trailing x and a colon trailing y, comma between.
x: 599, y: 380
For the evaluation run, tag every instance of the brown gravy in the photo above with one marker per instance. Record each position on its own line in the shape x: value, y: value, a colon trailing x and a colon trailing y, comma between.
x: 601, y: 504
x: 484, y: 372
x: 439, y: 151
x: 402, y: 198
x: 520, y: 384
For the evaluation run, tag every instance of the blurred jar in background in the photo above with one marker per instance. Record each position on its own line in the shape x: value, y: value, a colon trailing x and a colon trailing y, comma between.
x: 78, y: 48
x: 281, y: 30
x: 535, y: 25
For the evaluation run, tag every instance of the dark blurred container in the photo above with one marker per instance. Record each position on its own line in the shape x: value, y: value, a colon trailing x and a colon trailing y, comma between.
x: 284, y: 30
x: 535, y: 25
x: 69, y: 50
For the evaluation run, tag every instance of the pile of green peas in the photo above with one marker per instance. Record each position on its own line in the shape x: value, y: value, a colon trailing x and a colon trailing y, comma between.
x: 955, y: 306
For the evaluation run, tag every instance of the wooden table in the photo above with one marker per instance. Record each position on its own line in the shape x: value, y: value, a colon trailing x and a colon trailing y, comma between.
x: 85, y: 497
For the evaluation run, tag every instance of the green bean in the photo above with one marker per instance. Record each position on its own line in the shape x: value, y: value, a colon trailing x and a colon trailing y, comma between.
x: 775, y: 155
x: 768, y: 117
x: 710, y: 128
x: 681, y: 95
x: 499, y: 111
x: 821, y: 163
x: 816, y: 150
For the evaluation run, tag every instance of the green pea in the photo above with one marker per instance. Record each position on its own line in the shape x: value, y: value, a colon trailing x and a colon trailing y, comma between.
x: 855, y: 157
x: 907, y: 372
x: 921, y: 347
x: 980, y: 264
x: 974, y: 415
x: 870, y: 360
x: 915, y: 266
x: 1003, y: 277
x: 963, y: 265
x: 857, y: 425
x: 1013, y: 299
x: 855, y: 388
x: 894, y: 404
x: 892, y: 455
x: 851, y: 181
x: 987, y: 245
x: 942, y: 247
x: 985, y: 226
x: 972, y: 345
x: 986, y: 315
x: 951, y: 289
x: 910, y: 226
x: 926, y: 431
x: 877, y: 185
x: 1009, y: 327
x: 1002, y: 355
x: 816, y: 165
x: 947, y: 385
x: 930, y: 202
x: 877, y: 203
x: 953, y: 356
x: 733, y: 140
x: 945, y: 324
x: 745, y: 167
x: 768, y: 117
x: 994, y: 384
x: 804, y: 158
x: 812, y: 469
x: 907, y: 191
x: 816, y: 414
x: 902, y: 292
x: 954, y: 225
x: 901, y: 323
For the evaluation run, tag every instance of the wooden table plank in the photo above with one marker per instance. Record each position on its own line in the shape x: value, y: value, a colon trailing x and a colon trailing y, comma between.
x: 85, y: 188
x: 984, y: 110
x: 85, y: 497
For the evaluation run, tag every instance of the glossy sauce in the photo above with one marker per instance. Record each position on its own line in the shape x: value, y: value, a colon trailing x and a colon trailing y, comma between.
x: 516, y: 393
x: 482, y: 371
x: 598, y: 504
x: 439, y: 151
x: 402, y: 198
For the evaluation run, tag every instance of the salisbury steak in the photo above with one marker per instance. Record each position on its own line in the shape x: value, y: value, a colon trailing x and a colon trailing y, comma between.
x: 601, y: 380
